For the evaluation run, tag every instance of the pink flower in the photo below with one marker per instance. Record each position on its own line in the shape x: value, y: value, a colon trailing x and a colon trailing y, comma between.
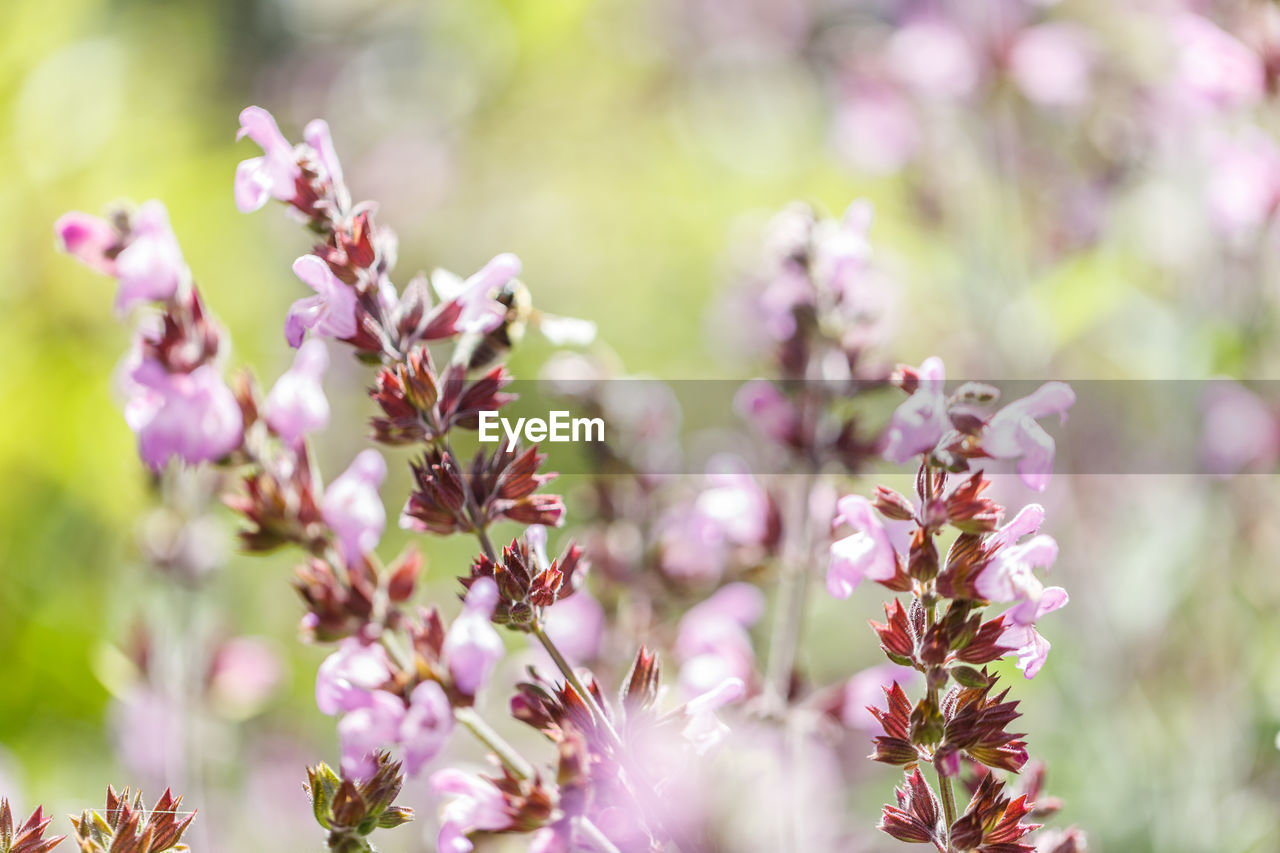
x: 1025, y: 523
x: 934, y: 57
x: 704, y: 730
x: 1243, y: 185
x: 244, y: 673
x: 866, y: 688
x: 352, y: 507
x: 297, y: 404
x: 842, y: 251
x: 1009, y: 576
x: 1051, y: 64
x: 576, y: 625
x: 1213, y: 65
x: 1239, y: 433
x: 192, y: 416
x: 476, y: 806
x: 425, y: 726
x: 273, y: 175
x: 919, y: 424
x: 149, y: 267
x: 1031, y: 648
x: 331, y: 312
x: 87, y: 238
x: 1012, y: 433
x: 876, y: 129
x: 347, y: 678
x: 734, y: 501
x: 760, y: 402
x: 481, y: 311
x: 866, y: 554
x: 472, y: 647
x: 367, y: 729
x: 713, y: 641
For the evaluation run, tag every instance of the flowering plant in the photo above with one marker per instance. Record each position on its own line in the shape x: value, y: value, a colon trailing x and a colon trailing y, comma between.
x: 629, y: 773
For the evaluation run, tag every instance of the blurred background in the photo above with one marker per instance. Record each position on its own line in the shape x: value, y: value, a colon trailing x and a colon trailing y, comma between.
x: 1074, y: 190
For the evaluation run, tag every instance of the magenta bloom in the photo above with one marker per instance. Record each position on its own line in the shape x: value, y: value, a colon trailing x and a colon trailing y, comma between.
x: 481, y: 311
x: 330, y: 313
x: 1243, y: 184
x: 87, y: 238
x: 868, y: 553
x: 1240, y: 432
x: 425, y: 726
x: 273, y: 175
x: 150, y: 267
x: 1009, y: 576
x: 1031, y: 648
x: 1213, y: 65
x: 761, y: 403
x: 472, y: 647
x: 1012, y: 433
x: 934, y: 58
x: 297, y: 404
x: 704, y: 730
x: 576, y: 625
x: 1052, y: 63
x: 367, y: 729
x: 347, y: 678
x: 353, y: 508
x: 476, y: 806
x: 191, y: 416
x: 919, y: 424
x: 713, y: 641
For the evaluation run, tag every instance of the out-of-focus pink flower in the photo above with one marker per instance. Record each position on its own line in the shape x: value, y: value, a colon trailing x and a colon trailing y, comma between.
x: 867, y: 553
x: 191, y: 416
x: 713, y: 642
x: 273, y: 175
x: 245, y: 671
x: 353, y: 508
x: 705, y: 730
x: 1051, y: 64
x: 693, y: 547
x: 1240, y: 431
x: 876, y: 129
x: 1213, y: 65
x: 149, y: 267
x: 764, y: 406
x: 935, y: 58
x: 476, y: 806
x: 918, y: 424
x: 550, y: 839
x: 1012, y: 433
x: 842, y: 251
x: 297, y: 404
x: 367, y: 729
x: 481, y: 310
x: 472, y: 647
x: 576, y: 625
x: 734, y: 501
x: 331, y: 312
x: 147, y: 729
x: 1243, y: 182
x: 866, y: 688
x: 87, y: 238
x: 348, y: 677
x: 425, y: 726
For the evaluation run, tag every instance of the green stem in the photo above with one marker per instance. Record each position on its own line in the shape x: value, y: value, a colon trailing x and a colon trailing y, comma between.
x: 474, y: 723
x: 793, y: 592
